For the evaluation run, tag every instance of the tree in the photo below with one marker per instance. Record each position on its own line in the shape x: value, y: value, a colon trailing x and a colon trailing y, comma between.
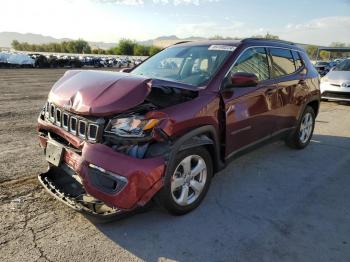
x: 311, y: 51
x: 141, y: 50
x: 267, y: 36
x: 15, y: 44
x: 126, y: 47
x: 154, y: 50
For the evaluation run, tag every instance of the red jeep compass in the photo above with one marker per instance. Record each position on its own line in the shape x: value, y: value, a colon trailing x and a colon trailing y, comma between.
x: 116, y: 140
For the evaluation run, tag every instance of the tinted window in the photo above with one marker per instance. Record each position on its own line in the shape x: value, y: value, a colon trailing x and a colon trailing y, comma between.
x: 297, y: 60
x: 254, y: 60
x: 282, y: 62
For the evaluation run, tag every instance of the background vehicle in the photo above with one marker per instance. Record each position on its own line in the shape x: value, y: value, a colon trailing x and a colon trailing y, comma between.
x: 323, y: 67
x: 114, y: 141
x: 336, y: 84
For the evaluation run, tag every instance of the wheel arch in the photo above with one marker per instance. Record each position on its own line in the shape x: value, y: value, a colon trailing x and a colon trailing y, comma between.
x: 205, y: 136
x: 315, y: 105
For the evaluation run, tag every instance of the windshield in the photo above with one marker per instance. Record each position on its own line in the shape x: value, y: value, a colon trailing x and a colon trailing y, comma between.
x: 343, y: 66
x: 193, y: 65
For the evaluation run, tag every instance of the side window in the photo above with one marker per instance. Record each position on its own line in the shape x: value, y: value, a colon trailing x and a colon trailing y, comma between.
x: 253, y: 60
x: 282, y: 62
x: 297, y: 60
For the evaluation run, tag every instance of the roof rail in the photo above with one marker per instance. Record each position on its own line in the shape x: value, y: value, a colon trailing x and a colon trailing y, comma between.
x: 182, y: 42
x: 266, y: 39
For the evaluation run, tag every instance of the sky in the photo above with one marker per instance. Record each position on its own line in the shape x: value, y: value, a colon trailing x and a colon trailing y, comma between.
x: 303, y: 21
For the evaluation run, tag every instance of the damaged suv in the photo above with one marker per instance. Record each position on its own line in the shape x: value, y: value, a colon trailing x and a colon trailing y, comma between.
x: 116, y: 140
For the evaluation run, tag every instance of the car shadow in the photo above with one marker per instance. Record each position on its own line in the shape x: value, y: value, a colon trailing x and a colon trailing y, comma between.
x: 251, y: 196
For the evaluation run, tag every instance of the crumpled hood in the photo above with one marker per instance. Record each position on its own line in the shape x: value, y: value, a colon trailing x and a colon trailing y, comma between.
x: 99, y: 93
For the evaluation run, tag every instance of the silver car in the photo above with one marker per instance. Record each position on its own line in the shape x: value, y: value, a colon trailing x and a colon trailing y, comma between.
x: 336, y: 84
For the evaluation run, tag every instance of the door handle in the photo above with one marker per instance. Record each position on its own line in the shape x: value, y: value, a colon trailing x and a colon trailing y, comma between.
x: 302, y: 82
x: 270, y: 92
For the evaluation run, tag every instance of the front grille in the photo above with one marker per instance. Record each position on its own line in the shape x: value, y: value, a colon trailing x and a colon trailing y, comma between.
x: 76, y: 125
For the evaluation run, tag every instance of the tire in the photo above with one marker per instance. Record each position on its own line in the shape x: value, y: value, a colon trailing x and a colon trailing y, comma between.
x: 302, y: 135
x: 173, y: 196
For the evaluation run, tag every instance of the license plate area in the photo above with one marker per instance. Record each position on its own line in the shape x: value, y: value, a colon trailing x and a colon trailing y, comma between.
x: 54, y: 153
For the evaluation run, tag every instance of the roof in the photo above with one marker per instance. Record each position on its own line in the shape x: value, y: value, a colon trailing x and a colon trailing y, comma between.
x: 253, y: 41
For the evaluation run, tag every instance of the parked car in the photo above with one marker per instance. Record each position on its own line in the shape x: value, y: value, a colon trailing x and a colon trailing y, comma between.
x: 323, y: 67
x: 115, y: 140
x: 336, y: 84
x: 3, y: 58
x: 20, y: 60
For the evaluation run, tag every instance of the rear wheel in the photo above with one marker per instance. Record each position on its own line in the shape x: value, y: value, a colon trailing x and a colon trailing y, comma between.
x: 187, y: 182
x: 301, y: 136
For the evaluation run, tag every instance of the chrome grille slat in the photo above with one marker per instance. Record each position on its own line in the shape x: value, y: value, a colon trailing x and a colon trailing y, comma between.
x: 92, y: 132
x: 65, y: 121
x: 73, y: 125
x: 76, y: 125
x: 58, y: 118
x: 52, y: 113
x: 82, y: 129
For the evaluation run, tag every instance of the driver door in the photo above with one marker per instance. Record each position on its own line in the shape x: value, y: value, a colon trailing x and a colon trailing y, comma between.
x: 248, y: 110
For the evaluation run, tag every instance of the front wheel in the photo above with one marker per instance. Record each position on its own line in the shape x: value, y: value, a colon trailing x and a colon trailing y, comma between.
x: 187, y: 181
x: 301, y: 136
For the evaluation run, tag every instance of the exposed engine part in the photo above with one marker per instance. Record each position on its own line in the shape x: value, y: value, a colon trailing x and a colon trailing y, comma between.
x: 163, y: 96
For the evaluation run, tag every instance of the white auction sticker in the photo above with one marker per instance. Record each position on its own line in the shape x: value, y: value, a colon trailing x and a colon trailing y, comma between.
x: 222, y: 48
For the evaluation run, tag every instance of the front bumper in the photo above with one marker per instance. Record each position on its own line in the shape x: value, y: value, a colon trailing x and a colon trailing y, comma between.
x: 144, y: 176
x: 334, y: 92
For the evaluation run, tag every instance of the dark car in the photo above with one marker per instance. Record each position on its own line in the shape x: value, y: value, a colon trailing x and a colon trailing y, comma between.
x: 115, y: 140
x: 323, y: 67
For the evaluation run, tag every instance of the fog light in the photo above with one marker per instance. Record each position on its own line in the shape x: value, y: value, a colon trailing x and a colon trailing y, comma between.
x: 105, y: 180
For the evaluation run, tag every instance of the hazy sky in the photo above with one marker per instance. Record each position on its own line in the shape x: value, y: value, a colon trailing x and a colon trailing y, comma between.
x: 304, y: 21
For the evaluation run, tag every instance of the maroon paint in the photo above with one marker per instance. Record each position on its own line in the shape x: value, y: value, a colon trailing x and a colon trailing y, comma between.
x: 240, y: 116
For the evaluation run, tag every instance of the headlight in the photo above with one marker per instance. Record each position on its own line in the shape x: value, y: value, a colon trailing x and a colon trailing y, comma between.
x: 324, y: 79
x: 136, y: 126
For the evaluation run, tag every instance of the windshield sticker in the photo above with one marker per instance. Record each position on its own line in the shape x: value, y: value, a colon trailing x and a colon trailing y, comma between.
x: 222, y: 48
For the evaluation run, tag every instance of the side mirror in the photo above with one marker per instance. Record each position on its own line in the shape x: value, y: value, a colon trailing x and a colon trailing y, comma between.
x: 242, y: 79
x: 126, y: 70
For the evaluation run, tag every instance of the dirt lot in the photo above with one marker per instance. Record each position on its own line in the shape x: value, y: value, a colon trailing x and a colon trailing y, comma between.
x: 273, y: 204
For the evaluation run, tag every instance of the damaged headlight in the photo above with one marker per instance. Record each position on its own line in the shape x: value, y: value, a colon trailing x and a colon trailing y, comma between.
x: 135, y: 126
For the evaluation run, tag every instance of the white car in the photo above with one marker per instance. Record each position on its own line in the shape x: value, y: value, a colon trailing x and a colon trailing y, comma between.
x: 336, y: 84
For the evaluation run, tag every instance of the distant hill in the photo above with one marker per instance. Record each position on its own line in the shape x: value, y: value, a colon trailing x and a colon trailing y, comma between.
x: 6, y: 39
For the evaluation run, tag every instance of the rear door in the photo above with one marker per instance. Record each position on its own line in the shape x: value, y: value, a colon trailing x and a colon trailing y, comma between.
x: 287, y: 71
x: 249, y: 109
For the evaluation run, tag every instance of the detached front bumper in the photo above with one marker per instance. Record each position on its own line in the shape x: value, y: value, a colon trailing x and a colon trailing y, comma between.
x: 104, y: 179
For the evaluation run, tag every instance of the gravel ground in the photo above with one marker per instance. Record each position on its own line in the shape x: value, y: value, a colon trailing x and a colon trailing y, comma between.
x: 273, y: 204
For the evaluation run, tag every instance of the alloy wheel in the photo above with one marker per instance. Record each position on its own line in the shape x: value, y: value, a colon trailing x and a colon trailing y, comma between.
x: 306, y: 128
x: 188, y: 180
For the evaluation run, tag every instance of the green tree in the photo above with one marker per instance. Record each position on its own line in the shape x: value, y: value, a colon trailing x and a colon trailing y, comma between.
x: 311, y: 51
x: 141, y: 50
x: 126, y: 47
x: 15, y: 44
x: 154, y: 50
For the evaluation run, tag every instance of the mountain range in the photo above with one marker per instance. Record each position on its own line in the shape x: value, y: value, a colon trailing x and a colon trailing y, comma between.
x: 6, y: 39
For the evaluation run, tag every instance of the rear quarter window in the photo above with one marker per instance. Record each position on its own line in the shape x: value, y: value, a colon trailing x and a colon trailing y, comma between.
x: 297, y: 60
x: 282, y: 62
